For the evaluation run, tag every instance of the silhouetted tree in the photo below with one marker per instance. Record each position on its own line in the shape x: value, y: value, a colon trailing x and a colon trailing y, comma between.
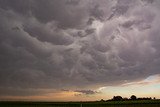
x: 145, y: 98
x: 102, y: 100
x: 133, y: 97
x: 125, y: 99
x: 117, y: 98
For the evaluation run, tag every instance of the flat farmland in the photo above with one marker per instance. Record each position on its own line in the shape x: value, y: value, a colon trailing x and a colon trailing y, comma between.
x: 154, y: 103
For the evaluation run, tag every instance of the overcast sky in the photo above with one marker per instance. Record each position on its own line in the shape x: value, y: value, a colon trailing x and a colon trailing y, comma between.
x: 63, y: 50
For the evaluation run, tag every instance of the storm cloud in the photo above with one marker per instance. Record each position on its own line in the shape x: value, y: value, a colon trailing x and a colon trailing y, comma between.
x: 77, y: 44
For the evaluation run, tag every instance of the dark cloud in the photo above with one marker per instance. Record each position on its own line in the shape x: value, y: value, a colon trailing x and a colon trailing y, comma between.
x: 97, y: 13
x: 82, y: 92
x: 147, y: 1
x: 72, y: 2
x: 48, y: 33
x: 21, y: 92
x: 86, y: 92
x: 65, y: 44
x: 120, y: 8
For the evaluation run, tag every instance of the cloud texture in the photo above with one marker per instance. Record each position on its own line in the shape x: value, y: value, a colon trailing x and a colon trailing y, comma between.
x: 77, y: 44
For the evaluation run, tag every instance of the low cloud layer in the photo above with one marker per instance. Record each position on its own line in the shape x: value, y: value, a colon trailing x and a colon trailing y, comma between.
x: 86, y: 92
x: 77, y: 44
x: 82, y: 92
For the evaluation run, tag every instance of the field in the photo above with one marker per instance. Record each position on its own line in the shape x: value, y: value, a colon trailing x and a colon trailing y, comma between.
x: 149, y: 103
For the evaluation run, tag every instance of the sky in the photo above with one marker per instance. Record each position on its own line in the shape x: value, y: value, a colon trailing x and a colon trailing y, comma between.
x: 79, y: 50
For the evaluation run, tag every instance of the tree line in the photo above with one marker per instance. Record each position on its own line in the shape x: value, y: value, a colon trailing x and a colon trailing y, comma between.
x: 133, y: 97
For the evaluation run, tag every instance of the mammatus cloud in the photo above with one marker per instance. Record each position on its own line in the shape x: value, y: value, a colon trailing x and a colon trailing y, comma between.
x: 65, y: 44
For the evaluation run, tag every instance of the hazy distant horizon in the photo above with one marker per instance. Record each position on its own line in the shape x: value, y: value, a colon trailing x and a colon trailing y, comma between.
x: 79, y: 50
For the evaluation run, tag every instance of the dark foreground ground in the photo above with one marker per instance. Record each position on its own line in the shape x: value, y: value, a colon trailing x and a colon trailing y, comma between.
x: 149, y: 103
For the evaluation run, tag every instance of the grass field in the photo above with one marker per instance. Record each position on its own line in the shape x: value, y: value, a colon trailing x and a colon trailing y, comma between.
x: 149, y: 103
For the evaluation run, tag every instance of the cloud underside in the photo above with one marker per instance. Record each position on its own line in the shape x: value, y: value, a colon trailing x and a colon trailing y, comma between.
x: 65, y: 44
